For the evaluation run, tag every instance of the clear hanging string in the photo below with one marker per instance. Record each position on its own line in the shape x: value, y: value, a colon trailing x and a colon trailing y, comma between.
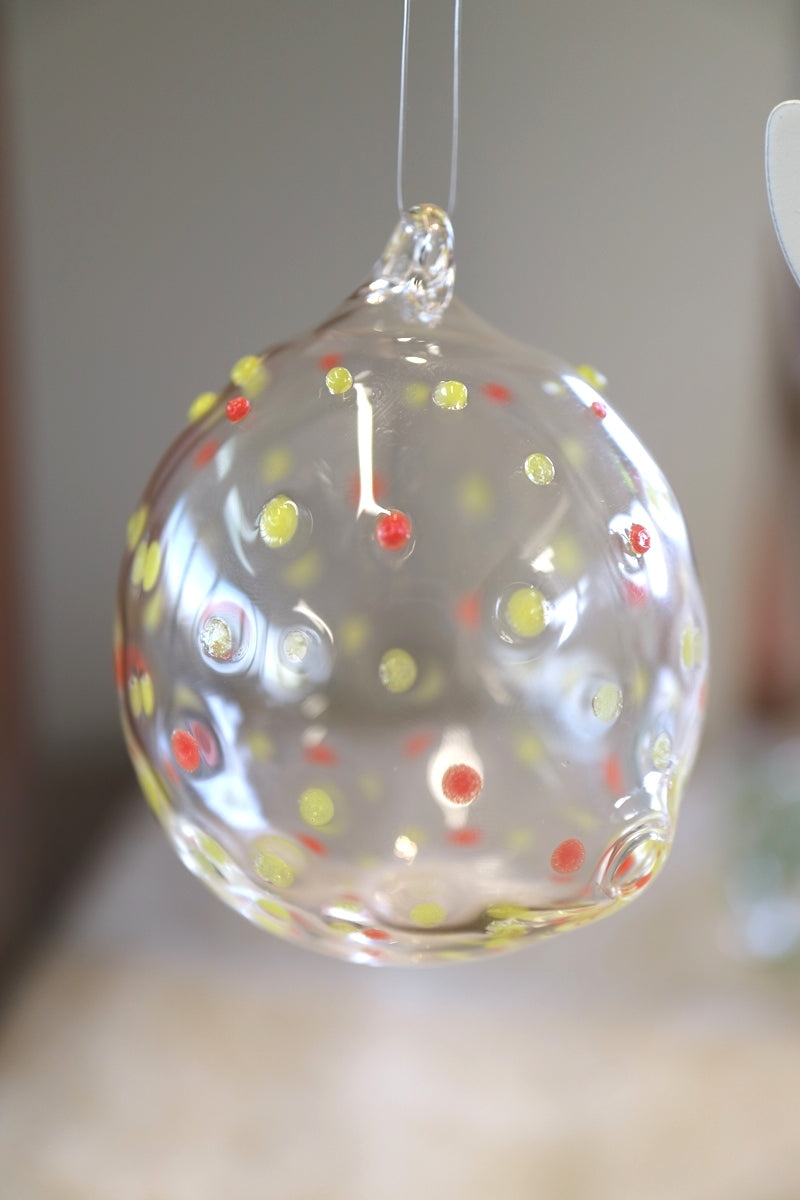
x: 451, y: 199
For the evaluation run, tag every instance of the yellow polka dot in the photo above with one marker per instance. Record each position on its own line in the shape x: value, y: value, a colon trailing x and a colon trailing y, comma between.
x: 539, y: 469
x: 529, y: 749
x: 216, y: 639
x: 662, y: 751
x: 152, y: 566
x: 574, y: 452
x: 607, y: 703
x: 417, y: 394
x: 135, y: 526
x: 371, y: 787
x: 185, y: 697
x: 260, y: 745
x: 398, y: 670
x: 338, y: 381
x: 592, y: 376
x: 276, y: 464
x: 475, y: 495
x: 519, y: 840
x: 201, y: 405
x: 450, y: 394
x: 505, y: 931
x: 138, y: 564
x: 344, y: 927
x: 691, y: 646
x: 316, y: 806
x: 567, y: 554
x: 147, y: 693
x: 353, y: 633
x: 625, y: 476
x: 250, y: 374
x: 154, y: 611
x: 212, y: 850
x: 581, y: 818
x: 278, y: 521
x: 276, y: 859
x: 415, y: 834
x: 304, y: 571
x: 154, y: 793
x: 431, y: 685
x: 274, y: 869
x: 277, y: 911
x: 505, y: 912
x: 141, y: 696
x: 639, y: 684
x: 526, y: 612
x: 427, y: 914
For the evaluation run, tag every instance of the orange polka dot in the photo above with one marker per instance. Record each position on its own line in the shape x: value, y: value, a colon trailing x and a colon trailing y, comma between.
x: 461, y: 784
x: 612, y: 774
x: 465, y: 837
x: 568, y: 857
x: 417, y: 744
x: 205, y: 454
x: 322, y: 755
x: 185, y: 750
x: 498, y: 393
x: 313, y: 844
x: 468, y: 610
x: 328, y: 361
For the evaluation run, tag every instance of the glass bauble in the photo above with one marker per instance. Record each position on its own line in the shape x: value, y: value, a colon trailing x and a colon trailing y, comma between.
x: 410, y: 647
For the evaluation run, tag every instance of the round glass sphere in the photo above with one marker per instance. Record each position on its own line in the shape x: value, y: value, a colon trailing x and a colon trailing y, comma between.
x: 410, y: 648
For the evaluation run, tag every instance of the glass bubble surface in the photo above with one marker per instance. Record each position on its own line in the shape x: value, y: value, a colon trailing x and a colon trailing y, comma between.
x: 410, y: 648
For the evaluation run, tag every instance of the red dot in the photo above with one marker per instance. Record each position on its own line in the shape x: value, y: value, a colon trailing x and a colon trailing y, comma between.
x: 625, y: 866
x: 185, y: 750
x: 634, y: 593
x: 322, y: 755
x: 497, y: 393
x: 237, y: 407
x: 313, y: 844
x: 461, y: 784
x: 328, y: 361
x: 465, y: 837
x: 599, y: 409
x: 354, y: 488
x: 612, y: 773
x: 640, y: 539
x: 417, y: 744
x: 206, y: 744
x: 468, y: 610
x: 119, y: 667
x: 205, y: 453
x: 393, y: 530
x: 377, y: 935
x: 568, y: 857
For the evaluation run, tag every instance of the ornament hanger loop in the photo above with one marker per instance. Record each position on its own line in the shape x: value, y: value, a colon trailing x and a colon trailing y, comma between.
x: 451, y: 199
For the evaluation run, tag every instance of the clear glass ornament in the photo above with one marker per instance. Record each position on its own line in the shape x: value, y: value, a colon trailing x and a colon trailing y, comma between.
x: 410, y: 647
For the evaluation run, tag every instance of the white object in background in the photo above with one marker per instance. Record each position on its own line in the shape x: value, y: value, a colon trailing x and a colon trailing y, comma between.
x: 783, y: 179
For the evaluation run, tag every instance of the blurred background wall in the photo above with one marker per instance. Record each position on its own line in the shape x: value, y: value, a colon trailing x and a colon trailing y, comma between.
x: 193, y: 180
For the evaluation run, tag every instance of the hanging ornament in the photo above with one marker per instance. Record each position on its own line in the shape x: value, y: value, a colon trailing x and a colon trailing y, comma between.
x: 410, y: 648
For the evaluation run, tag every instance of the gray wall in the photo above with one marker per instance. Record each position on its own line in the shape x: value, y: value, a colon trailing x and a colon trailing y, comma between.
x: 196, y: 180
